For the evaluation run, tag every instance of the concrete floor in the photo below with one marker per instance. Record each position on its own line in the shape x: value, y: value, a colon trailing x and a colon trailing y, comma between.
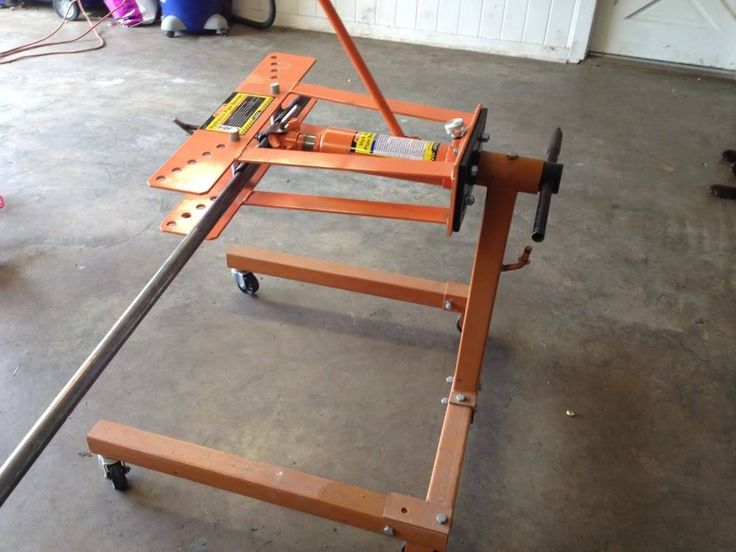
x: 626, y: 316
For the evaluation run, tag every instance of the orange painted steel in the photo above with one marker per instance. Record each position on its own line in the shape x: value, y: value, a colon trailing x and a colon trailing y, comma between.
x: 360, y: 66
x: 205, y: 157
x: 449, y: 296
x: 487, y: 266
x: 201, y: 168
x: 431, y: 172
x: 353, y: 99
x: 411, y: 518
x: 347, y: 206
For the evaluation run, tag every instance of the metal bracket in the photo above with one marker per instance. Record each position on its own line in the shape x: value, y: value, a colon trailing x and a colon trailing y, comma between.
x: 522, y: 262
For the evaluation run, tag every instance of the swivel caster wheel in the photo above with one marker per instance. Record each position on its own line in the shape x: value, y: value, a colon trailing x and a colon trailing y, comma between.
x: 170, y: 34
x: 246, y: 281
x: 115, y: 472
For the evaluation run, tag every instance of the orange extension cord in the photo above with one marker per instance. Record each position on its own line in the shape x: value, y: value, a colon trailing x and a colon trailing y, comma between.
x: 41, y: 43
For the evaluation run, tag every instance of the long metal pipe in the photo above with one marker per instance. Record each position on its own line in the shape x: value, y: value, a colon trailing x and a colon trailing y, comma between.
x: 35, y: 441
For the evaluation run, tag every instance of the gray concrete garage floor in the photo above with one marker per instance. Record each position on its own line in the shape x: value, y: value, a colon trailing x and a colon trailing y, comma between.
x: 627, y: 314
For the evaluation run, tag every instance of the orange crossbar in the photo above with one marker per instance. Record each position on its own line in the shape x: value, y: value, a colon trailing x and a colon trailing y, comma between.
x: 410, y: 518
x: 348, y: 206
x: 420, y: 111
x: 339, y: 276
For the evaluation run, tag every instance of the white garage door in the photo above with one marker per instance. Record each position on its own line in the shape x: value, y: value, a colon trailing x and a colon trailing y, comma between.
x: 697, y: 32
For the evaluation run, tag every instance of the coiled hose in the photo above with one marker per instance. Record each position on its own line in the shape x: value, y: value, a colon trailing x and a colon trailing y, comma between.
x: 258, y: 24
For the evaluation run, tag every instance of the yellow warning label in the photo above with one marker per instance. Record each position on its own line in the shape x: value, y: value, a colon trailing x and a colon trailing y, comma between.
x: 239, y: 112
x: 430, y: 151
x: 363, y: 142
x: 370, y: 143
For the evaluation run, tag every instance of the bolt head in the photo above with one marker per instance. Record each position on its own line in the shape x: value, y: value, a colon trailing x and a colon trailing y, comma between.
x: 449, y: 379
x: 448, y: 305
x: 512, y: 156
x: 570, y: 413
x: 444, y: 400
x: 460, y: 397
x: 455, y: 128
x: 485, y: 137
x: 388, y: 531
x: 470, y: 200
x: 474, y: 171
x: 441, y: 518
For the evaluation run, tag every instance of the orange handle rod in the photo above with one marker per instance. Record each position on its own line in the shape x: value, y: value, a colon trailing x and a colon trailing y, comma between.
x: 360, y: 66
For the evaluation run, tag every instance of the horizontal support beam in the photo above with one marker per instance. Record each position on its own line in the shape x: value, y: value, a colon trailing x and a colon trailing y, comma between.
x: 354, y: 99
x: 430, y: 172
x: 282, y: 486
x: 347, y: 206
x: 362, y: 280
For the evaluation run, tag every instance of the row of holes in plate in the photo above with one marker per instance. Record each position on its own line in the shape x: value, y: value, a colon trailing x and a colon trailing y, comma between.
x: 207, y: 154
x: 175, y: 170
x: 274, y: 68
x: 187, y: 214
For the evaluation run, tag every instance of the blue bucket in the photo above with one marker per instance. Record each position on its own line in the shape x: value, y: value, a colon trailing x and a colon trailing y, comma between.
x: 192, y: 13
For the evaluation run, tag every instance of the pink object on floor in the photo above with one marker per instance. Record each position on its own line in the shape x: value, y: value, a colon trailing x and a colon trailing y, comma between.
x: 2, y: 202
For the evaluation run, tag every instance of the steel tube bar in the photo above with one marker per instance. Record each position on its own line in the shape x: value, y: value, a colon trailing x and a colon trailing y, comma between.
x: 413, y: 519
x: 348, y: 206
x: 350, y: 278
x: 360, y: 66
x: 497, y: 216
x: 36, y: 440
x: 400, y: 107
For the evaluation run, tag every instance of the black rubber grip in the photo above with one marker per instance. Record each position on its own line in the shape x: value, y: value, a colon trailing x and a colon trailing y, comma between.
x: 551, y: 176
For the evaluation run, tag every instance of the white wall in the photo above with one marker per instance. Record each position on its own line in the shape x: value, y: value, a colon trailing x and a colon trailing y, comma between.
x: 556, y: 30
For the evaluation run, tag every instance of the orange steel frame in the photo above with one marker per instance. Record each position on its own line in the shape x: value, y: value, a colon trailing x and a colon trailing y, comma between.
x: 201, y: 168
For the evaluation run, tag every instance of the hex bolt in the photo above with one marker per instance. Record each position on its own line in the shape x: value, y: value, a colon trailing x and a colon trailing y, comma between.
x: 444, y: 400
x: 235, y: 135
x: 485, y: 137
x: 512, y: 156
x: 449, y: 379
x: 448, y: 305
x: 474, y: 171
x: 388, y: 531
x: 441, y: 518
x: 460, y: 397
x: 470, y: 200
x: 455, y: 128
x: 275, y: 88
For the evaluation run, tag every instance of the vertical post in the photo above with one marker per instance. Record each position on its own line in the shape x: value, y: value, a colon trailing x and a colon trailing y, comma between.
x: 360, y: 66
x: 494, y: 231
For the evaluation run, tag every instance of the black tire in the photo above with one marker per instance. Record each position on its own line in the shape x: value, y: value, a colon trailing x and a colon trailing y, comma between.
x: 116, y: 474
x: 170, y: 34
x: 62, y: 8
x: 250, y: 282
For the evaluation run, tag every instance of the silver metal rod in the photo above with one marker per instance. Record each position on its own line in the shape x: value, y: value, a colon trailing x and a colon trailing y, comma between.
x: 35, y: 441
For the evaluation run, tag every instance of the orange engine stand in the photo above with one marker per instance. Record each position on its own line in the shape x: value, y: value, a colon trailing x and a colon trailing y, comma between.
x: 262, y: 124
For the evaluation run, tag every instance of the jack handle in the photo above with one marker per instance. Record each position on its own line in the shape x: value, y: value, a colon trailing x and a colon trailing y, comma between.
x: 550, y: 184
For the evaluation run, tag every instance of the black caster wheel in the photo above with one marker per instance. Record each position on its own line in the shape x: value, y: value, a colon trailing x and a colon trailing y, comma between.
x: 116, y: 474
x: 459, y: 323
x: 67, y: 9
x: 246, y: 281
x: 170, y: 34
